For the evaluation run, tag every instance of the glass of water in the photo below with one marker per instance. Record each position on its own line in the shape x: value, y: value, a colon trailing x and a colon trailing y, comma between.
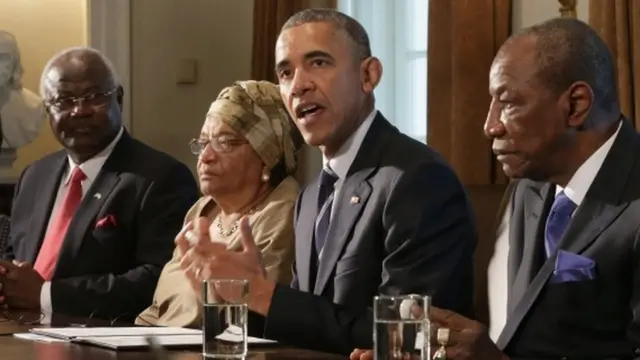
x: 224, y: 321
x: 401, y: 327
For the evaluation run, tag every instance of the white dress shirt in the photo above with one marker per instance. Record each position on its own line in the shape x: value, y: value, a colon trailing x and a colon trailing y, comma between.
x: 91, y: 168
x: 575, y: 190
x: 343, y: 158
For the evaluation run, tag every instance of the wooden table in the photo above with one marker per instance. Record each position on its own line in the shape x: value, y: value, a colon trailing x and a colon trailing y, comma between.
x: 12, y: 348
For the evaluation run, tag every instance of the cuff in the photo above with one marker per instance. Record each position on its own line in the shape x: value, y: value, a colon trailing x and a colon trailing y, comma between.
x: 45, y: 299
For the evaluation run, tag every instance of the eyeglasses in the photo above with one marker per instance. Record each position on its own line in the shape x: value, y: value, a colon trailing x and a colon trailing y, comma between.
x: 221, y: 145
x: 94, y: 100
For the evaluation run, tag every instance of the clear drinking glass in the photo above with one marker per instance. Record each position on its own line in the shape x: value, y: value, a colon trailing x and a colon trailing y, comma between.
x: 401, y: 327
x: 224, y: 321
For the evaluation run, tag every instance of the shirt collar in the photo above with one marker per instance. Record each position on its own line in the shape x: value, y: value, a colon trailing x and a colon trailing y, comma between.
x: 581, y: 181
x: 344, y: 157
x: 92, y: 167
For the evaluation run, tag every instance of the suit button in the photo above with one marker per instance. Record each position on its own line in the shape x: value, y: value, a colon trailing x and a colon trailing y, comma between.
x: 564, y: 358
x: 636, y: 351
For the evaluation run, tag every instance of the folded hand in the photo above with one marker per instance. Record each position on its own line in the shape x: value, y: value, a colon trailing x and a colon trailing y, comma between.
x: 21, y: 285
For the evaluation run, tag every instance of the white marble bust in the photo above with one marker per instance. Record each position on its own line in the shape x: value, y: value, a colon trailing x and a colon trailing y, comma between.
x: 21, y: 110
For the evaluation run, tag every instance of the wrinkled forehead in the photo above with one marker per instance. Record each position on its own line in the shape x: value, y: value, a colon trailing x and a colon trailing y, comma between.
x: 296, y: 43
x: 514, y: 63
x: 75, y: 75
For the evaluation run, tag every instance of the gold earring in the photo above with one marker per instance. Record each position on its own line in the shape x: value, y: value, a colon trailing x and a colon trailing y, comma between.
x: 265, y: 176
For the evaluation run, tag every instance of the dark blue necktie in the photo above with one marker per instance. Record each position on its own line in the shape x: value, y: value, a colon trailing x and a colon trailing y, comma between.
x: 557, y: 222
x: 325, y: 199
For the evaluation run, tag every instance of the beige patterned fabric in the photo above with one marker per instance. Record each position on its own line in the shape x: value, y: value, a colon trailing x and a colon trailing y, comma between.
x: 175, y: 303
x: 255, y: 110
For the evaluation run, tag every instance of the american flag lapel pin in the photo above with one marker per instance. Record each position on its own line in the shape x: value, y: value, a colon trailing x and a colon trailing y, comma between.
x: 355, y: 200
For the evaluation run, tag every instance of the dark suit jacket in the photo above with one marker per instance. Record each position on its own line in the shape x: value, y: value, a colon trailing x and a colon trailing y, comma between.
x: 410, y: 232
x: 112, y: 270
x: 596, y: 318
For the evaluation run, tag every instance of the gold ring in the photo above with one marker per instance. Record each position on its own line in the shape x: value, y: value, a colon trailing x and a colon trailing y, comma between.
x: 443, y: 339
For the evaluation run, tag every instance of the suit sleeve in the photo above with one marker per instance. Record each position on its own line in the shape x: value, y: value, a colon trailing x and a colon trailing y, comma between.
x: 294, y: 273
x: 161, y: 212
x: 309, y: 321
x: 430, y: 239
x: 633, y: 332
x: 430, y: 243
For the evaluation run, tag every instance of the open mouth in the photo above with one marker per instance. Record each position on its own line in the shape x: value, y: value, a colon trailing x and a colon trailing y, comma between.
x: 306, y: 112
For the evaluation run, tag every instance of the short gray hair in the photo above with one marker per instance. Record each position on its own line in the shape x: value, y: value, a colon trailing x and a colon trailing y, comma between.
x: 74, y: 51
x: 342, y: 22
x: 569, y: 50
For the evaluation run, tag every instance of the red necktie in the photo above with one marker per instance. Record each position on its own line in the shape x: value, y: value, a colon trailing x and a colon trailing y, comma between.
x: 48, y: 255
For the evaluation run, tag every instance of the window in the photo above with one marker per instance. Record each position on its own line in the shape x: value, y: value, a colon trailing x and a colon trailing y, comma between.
x: 398, y: 35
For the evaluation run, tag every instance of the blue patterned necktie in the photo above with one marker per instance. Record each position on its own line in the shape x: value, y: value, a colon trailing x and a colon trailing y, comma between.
x: 325, y: 199
x: 557, y: 222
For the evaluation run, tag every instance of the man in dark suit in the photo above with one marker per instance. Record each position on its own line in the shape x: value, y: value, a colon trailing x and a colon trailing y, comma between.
x: 92, y: 225
x: 574, y: 254
x: 574, y: 259
x: 386, y: 215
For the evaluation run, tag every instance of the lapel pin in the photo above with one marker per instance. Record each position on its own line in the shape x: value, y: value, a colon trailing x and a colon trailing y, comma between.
x: 355, y: 200
x: 97, y: 196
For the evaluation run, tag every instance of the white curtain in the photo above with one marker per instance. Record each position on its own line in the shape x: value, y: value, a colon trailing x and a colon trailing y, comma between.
x: 398, y: 34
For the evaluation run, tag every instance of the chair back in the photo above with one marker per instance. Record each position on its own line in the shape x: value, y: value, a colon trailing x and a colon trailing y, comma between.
x: 5, y: 229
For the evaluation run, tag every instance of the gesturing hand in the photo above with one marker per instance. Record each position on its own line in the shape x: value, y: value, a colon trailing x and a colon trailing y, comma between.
x: 204, y: 259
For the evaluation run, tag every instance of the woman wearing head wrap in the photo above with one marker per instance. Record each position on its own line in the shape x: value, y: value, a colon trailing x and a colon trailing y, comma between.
x: 247, y: 152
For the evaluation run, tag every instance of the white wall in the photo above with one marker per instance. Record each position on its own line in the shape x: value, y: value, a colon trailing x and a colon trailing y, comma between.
x: 530, y: 12
x: 216, y: 35
x: 42, y: 28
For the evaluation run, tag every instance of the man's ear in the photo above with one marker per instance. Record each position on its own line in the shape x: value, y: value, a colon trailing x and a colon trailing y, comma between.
x: 371, y: 73
x: 578, y: 103
x: 120, y: 95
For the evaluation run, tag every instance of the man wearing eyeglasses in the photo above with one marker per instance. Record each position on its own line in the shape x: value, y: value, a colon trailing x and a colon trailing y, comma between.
x: 92, y: 225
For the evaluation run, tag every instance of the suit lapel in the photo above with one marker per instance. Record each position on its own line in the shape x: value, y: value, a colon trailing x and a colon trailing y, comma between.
x: 604, y: 201
x: 84, y: 219
x: 514, y: 318
x: 352, y: 197
x: 42, y: 212
x: 304, y: 235
x: 530, y: 278
x: 537, y: 203
x: 590, y: 220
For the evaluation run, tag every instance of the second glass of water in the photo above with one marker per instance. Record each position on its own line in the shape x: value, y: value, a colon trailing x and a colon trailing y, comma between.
x: 401, y: 327
x: 224, y: 321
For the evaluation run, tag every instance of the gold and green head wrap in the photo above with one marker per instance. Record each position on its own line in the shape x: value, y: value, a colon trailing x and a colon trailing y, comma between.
x: 255, y: 110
